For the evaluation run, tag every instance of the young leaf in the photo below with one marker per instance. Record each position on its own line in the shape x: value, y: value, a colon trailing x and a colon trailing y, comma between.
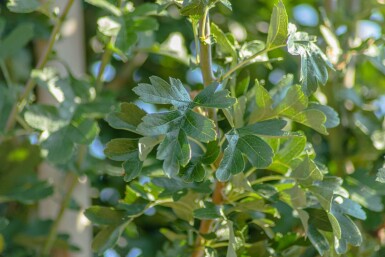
x: 192, y: 7
x: 223, y: 42
x: 23, y: 6
x: 314, y: 62
x: 128, y: 118
x: 278, y: 29
x: 294, y: 106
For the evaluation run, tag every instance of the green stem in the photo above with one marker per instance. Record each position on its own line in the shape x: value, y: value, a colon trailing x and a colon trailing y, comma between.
x: 268, y: 178
x: 5, y: 72
x: 205, y: 50
x: 105, y: 60
x: 30, y: 85
x: 247, y: 62
x: 63, y: 206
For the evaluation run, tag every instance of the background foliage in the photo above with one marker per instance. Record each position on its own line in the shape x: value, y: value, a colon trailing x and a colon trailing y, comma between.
x: 292, y: 139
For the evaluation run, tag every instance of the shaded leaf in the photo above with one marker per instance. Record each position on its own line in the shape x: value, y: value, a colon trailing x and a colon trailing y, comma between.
x: 16, y: 40
x: 210, y: 211
x: 215, y: 97
x: 175, y: 151
x: 120, y: 149
x: 23, y: 6
x: 107, y: 238
x: 193, y: 172
x: 128, y: 118
x: 102, y: 215
x: 314, y: 63
x: 132, y: 166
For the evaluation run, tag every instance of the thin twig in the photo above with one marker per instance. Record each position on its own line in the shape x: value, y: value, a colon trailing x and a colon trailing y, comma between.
x: 30, y: 85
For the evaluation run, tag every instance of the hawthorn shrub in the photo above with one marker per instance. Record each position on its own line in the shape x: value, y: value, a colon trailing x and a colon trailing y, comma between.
x: 219, y: 143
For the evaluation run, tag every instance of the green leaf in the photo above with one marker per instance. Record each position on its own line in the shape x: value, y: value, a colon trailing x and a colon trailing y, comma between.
x: 132, y: 166
x: 161, y: 92
x: 278, y: 29
x: 307, y: 172
x: 381, y: 175
x: 3, y: 223
x: 59, y: 148
x: 175, y: 151
x: 232, y: 162
x: 253, y: 48
x: 318, y: 240
x: 332, y: 119
x: 23, y: 6
x: 146, y: 144
x: 314, y: 62
x: 105, y: 5
x: 199, y: 127
x: 193, y: 172
x: 214, y: 97
x: 294, y: 105
x: 101, y: 215
x: 210, y: 211
x: 120, y: 149
x: 83, y: 131
x: 267, y: 128
x: 223, y: 42
x: 16, y: 40
x: 128, y: 118
x: 226, y: 3
x: 264, y: 102
x: 349, y: 230
x: 107, y: 238
x: 212, y: 152
x: 256, y: 150
x: 110, y: 26
x: 192, y: 7
x: 44, y: 117
x: 155, y: 124
x: 288, y: 154
x: 231, y: 249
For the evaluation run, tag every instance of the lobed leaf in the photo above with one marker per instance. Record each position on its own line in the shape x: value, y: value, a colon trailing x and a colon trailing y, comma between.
x: 314, y: 62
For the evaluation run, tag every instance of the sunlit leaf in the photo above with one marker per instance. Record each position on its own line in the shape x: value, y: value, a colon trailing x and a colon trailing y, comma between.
x: 278, y: 29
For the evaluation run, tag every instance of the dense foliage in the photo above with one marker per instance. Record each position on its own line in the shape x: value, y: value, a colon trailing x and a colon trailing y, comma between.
x: 242, y: 128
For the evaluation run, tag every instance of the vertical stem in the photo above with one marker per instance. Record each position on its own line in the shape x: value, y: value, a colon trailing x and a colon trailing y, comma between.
x: 106, y: 57
x: 63, y: 206
x: 208, y: 78
x: 30, y: 85
x: 205, y: 49
x: 5, y: 72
